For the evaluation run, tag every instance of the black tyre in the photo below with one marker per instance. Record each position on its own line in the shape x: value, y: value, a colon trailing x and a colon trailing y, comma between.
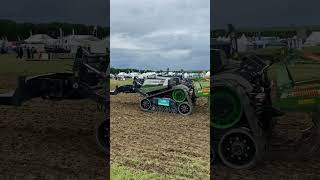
x: 185, y: 108
x: 102, y: 136
x: 145, y: 104
x: 213, y: 156
x: 237, y: 149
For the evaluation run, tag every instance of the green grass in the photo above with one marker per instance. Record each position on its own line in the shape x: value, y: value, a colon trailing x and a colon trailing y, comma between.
x: 124, y: 173
x: 267, y: 50
x: 10, y: 65
x: 114, y: 83
x: 313, y: 49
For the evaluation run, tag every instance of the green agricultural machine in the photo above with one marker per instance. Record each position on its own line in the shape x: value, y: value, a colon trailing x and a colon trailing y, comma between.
x: 201, y: 87
x: 245, y: 111
x: 166, y: 94
x: 296, y: 96
x: 87, y: 80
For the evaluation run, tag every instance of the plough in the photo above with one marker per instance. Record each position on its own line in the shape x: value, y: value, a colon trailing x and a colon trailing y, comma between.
x: 88, y: 80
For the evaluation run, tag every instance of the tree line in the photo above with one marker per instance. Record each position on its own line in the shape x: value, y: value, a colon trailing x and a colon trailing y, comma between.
x: 128, y: 70
x: 282, y: 32
x: 15, y: 31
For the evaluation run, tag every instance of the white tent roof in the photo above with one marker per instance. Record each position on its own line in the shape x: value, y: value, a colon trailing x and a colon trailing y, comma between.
x: 73, y: 41
x: 313, y: 38
x: 243, y: 38
x: 99, y: 46
x: 243, y: 43
x: 39, y: 39
x: 82, y: 38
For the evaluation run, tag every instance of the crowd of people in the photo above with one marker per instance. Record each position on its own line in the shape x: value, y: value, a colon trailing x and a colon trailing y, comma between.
x: 30, y: 52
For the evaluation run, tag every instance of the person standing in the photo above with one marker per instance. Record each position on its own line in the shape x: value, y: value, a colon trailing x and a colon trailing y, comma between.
x: 40, y: 54
x: 79, y: 52
x: 28, y: 52
x: 21, y: 52
x: 32, y: 52
x: 18, y: 52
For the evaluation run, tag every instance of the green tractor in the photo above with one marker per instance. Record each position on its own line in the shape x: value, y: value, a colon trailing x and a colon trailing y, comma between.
x: 166, y: 95
x: 163, y: 94
x: 244, y: 112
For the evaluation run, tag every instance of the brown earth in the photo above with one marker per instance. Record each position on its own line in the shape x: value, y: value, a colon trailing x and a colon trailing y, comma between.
x: 312, y: 56
x: 50, y: 140
x: 171, y: 145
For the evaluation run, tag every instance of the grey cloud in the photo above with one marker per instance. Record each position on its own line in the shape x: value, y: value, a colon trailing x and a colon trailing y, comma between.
x: 79, y: 11
x: 160, y: 34
x: 255, y: 13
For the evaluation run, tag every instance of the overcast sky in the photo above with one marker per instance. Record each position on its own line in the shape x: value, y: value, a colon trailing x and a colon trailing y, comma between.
x: 160, y: 34
x: 257, y: 13
x: 74, y: 11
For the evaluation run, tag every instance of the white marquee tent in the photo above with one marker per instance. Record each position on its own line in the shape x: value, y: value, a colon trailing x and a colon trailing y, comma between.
x: 99, y: 46
x: 73, y: 41
x: 39, y: 41
x: 243, y: 43
x: 313, y: 39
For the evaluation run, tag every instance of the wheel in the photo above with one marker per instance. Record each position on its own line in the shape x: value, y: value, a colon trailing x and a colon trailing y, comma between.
x: 227, y: 108
x: 185, y: 108
x: 174, y: 110
x: 102, y: 136
x: 154, y: 108
x: 145, y: 104
x: 179, y: 95
x: 213, y: 156
x: 237, y: 149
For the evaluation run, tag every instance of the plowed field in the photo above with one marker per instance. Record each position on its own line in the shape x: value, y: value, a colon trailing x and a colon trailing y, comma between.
x: 171, y: 145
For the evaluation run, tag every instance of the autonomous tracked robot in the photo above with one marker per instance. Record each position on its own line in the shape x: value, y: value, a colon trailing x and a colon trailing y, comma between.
x: 88, y: 79
x: 164, y: 94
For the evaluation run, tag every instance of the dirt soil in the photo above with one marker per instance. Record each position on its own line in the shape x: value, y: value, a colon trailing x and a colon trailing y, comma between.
x: 282, y: 161
x: 172, y: 145
x: 50, y: 140
x: 312, y: 56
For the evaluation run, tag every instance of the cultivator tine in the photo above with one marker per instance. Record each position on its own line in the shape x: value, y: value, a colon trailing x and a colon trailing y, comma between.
x: 308, y: 129
x: 314, y: 137
x: 316, y: 121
